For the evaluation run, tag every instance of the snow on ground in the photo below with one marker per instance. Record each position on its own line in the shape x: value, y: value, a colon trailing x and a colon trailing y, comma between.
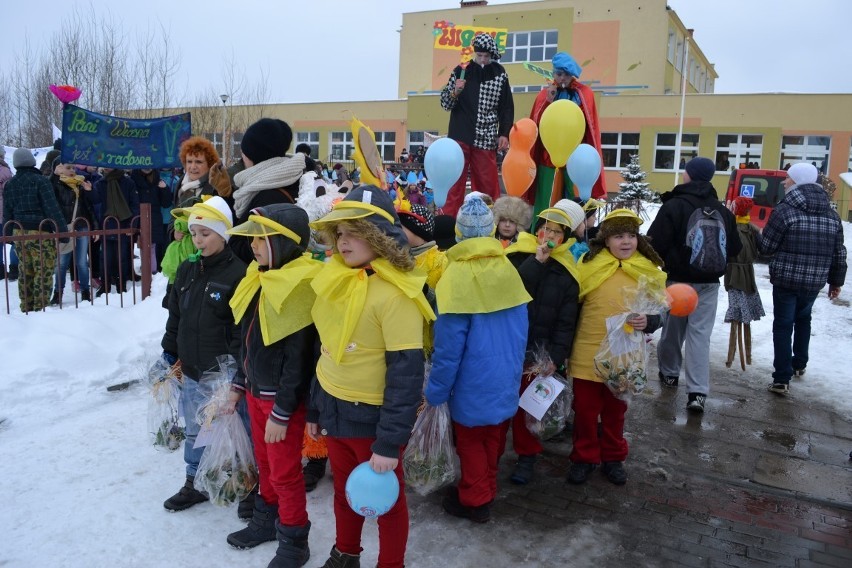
x: 84, y: 487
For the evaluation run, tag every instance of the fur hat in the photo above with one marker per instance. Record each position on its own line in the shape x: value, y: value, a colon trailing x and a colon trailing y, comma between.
x: 617, y: 222
x: 267, y: 138
x: 700, y: 169
x: 23, y: 158
x: 213, y: 214
x: 742, y: 206
x: 803, y: 172
x: 566, y: 213
x: 474, y: 219
x: 285, y: 227
x: 419, y: 220
x: 484, y: 43
x: 513, y: 209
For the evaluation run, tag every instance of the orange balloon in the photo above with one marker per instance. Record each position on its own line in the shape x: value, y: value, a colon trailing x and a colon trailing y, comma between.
x: 518, y: 167
x: 682, y: 298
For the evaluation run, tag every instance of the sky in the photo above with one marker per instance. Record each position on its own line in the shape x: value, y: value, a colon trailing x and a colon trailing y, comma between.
x: 339, y: 50
x: 84, y: 485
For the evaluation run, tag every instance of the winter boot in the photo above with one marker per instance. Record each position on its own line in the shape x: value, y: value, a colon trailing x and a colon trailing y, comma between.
x: 339, y: 559
x: 12, y: 273
x: 85, y: 296
x: 2, y: 271
x: 54, y: 300
x: 245, y: 508
x: 313, y: 471
x: 524, y: 470
x: 186, y: 497
x: 261, y: 527
x: 293, y: 548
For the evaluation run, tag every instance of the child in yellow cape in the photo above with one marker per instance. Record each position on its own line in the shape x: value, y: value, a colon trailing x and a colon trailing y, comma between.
x: 617, y: 258
x: 369, y: 313
x: 272, y: 304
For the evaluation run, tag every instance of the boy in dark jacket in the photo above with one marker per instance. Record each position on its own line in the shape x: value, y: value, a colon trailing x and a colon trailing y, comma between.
x: 273, y: 306
x: 201, y: 325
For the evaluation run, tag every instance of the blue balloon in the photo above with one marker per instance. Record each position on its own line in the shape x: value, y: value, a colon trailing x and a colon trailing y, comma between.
x: 412, y: 178
x: 584, y: 169
x: 444, y: 162
x: 371, y: 494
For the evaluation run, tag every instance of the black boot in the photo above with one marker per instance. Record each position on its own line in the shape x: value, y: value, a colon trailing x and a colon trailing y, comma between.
x: 2, y: 271
x: 245, y: 508
x: 85, y: 296
x: 12, y: 273
x: 293, y: 550
x: 339, y: 559
x: 524, y: 470
x: 313, y: 471
x: 186, y: 497
x: 54, y: 300
x: 261, y: 527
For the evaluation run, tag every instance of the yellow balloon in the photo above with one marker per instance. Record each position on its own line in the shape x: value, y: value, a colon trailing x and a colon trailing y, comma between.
x: 561, y: 129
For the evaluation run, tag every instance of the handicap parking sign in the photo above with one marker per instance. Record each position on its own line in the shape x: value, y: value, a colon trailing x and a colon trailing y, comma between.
x: 747, y: 190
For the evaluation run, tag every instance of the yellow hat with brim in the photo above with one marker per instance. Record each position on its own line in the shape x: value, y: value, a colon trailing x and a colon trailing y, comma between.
x: 556, y: 216
x: 623, y: 214
x: 349, y: 211
x: 259, y: 226
x: 592, y: 205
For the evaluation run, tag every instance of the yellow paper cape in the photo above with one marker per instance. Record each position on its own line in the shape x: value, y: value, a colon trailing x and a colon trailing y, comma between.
x: 562, y: 254
x: 604, y: 265
x: 479, y: 279
x: 286, y: 297
x: 526, y: 243
x: 341, y: 292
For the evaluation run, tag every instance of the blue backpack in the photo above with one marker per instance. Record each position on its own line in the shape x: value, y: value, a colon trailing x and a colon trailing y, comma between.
x: 707, y: 241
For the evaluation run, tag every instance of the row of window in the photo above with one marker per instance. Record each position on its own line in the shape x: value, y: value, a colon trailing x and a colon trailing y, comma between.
x: 698, y: 76
x: 732, y: 150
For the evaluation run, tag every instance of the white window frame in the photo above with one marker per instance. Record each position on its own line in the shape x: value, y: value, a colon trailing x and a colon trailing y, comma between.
x: 215, y: 138
x: 344, y: 147
x: 386, y: 145
x: 670, y: 47
x: 809, y: 151
x: 513, y: 50
x: 679, y: 55
x: 688, y: 149
x: 414, y: 145
x: 620, y: 148
x: 312, y: 139
x: 739, y: 151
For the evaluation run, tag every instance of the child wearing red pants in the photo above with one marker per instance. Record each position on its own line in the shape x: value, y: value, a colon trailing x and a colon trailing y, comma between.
x: 480, y: 339
x: 369, y: 313
x: 617, y: 258
x: 272, y: 305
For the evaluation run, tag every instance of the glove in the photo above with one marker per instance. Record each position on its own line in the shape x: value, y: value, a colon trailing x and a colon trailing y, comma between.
x: 169, y: 358
x: 219, y: 179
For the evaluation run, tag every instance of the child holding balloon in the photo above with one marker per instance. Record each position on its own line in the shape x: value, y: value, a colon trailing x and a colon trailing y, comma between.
x: 369, y: 379
x: 619, y: 256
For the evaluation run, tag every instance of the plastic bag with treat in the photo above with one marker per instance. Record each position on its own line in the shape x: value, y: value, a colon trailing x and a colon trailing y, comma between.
x: 164, y: 426
x: 430, y: 461
x: 558, y: 414
x: 623, y: 355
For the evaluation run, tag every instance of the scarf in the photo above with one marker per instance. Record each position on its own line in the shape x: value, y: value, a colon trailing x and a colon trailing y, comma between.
x: 74, y: 183
x: 744, y: 219
x: 188, y: 189
x: 342, y: 291
x: 116, y: 204
x: 479, y: 279
x: 286, y: 297
x: 273, y: 173
x: 603, y: 265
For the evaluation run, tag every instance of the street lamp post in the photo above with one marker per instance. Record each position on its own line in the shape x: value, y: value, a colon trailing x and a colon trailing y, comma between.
x: 224, y: 128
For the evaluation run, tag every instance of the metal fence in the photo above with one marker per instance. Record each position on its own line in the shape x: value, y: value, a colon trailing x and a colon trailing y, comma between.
x: 138, y: 234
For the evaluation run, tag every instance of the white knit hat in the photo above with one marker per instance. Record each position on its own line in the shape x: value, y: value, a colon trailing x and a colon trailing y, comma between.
x: 474, y: 219
x: 803, y: 172
x: 213, y: 214
x: 564, y: 212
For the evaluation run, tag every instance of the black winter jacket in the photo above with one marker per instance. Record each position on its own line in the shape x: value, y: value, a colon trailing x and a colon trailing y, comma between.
x: 66, y: 198
x: 281, y: 371
x: 158, y: 197
x: 201, y: 324
x: 553, y: 310
x: 668, y: 231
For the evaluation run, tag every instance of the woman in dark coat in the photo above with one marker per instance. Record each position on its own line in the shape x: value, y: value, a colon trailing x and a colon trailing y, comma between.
x: 154, y: 191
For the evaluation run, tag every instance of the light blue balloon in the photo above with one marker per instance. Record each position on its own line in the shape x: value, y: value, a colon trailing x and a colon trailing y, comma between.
x: 444, y: 162
x: 371, y: 494
x: 412, y: 178
x: 584, y: 169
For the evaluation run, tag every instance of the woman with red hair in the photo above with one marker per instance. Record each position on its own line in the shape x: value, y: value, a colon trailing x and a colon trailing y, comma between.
x: 203, y: 173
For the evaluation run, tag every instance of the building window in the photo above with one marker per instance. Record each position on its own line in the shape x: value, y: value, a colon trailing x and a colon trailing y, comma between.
x: 813, y: 149
x: 311, y: 139
x: 709, y: 86
x: 386, y: 144
x: 236, y: 147
x: 416, y: 139
x: 671, y: 46
x: 736, y: 150
x: 216, y: 139
x: 679, y: 55
x: 617, y: 147
x: 534, y: 46
x: 341, y: 145
x: 702, y: 82
x: 664, y: 151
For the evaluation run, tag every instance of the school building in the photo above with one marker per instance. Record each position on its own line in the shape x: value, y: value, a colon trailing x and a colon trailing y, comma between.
x: 634, y: 55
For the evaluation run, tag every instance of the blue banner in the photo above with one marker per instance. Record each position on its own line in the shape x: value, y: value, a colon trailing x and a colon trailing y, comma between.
x: 93, y: 139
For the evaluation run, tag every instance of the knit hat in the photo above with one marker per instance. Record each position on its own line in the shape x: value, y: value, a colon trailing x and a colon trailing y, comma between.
x: 700, y: 169
x: 742, y: 206
x: 213, y: 214
x: 619, y: 221
x: 484, y: 43
x: 370, y: 203
x: 564, y: 62
x: 474, y: 219
x: 801, y: 172
x: 418, y: 219
x: 267, y: 138
x: 23, y: 158
x: 566, y: 213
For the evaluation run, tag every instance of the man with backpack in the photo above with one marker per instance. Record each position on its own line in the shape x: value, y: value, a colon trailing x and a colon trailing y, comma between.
x: 695, y: 235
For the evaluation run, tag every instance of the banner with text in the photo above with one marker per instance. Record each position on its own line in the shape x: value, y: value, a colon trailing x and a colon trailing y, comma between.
x: 450, y: 36
x: 93, y: 139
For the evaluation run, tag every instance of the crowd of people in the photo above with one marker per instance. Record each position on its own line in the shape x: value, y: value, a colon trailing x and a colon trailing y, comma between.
x: 351, y: 307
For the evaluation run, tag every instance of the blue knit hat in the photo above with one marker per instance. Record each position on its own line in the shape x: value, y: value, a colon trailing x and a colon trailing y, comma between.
x: 700, y: 169
x: 564, y: 62
x: 474, y: 219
